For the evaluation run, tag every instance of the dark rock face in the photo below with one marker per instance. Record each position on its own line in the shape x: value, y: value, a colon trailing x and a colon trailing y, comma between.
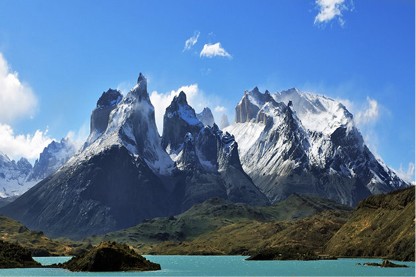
x: 14, y: 256
x: 55, y: 155
x: 179, y: 119
x: 207, y: 160
x: 110, y: 257
x: 206, y: 117
x: 248, y: 107
x: 100, y: 115
x: 105, y: 193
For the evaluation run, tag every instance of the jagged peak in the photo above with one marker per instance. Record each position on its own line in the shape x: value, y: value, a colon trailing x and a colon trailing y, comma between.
x: 141, y: 78
x: 109, y: 98
x: 255, y: 90
x: 140, y: 89
x: 206, y: 110
x: 180, y: 98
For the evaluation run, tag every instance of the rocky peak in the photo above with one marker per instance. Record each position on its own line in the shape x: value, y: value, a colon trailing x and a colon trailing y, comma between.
x: 179, y: 119
x: 251, y: 103
x: 100, y: 115
x: 24, y: 166
x: 140, y: 89
x: 181, y: 98
x: 55, y: 155
x: 109, y: 98
x: 206, y: 117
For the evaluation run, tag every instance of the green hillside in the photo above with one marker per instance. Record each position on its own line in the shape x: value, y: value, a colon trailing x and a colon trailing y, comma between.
x: 381, y: 226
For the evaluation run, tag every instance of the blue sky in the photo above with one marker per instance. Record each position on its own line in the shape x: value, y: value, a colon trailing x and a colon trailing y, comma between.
x: 61, y: 55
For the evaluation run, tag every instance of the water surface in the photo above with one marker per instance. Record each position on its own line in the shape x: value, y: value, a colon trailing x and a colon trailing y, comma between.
x: 229, y: 266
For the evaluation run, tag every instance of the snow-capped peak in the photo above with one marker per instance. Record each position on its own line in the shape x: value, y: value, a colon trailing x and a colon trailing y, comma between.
x: 131, y: 123
x: 317, y: 113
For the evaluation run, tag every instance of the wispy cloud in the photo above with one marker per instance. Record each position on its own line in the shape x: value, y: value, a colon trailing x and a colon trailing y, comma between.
x: 329, y: 10
x: 79, y: 137
x: 190, y: 42
x: 220, y: 109
x: 16, y: 98
x: 22, y: 145
x: 370, y: 113
x: 214, y: 50
x: 407, y: 174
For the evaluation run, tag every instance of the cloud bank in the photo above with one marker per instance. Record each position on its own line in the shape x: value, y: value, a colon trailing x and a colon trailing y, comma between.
x: 15, y: 95
x: 214, y: 50
x: 23, y: 145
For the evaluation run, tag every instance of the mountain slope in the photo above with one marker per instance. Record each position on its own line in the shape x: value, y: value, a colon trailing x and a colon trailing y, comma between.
x: 295, y: 142
x: 381, y: 226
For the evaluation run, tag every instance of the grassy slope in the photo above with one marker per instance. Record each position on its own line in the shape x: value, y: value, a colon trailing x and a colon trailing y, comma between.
x: 252, y: 236
x: 381, y: 226
x: 220, y: 227
x: 14, y: 232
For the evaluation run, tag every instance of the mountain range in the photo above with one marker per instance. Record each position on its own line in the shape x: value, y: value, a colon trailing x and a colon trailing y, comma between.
x: 296, y: 142
x: 17, y: 177
x: 282, y: 143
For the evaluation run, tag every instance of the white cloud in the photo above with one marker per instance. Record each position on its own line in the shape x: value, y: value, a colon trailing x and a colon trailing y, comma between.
x: 196, y: 99
x: 330, y: 9
x: 190, y: 42
x: 79, y: 137
x: 220, y: 109
x: 407, y: 174
x: 15, y: 95
x: 370, y: 113
x: 17, y: 146
x: 213, y: 50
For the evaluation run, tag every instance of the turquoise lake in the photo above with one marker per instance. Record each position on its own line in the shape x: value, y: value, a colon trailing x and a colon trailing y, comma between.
x: 230, y: 266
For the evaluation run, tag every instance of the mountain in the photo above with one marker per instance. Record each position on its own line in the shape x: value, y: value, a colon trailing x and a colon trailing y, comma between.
x: 381, y: 226
x: 206, y: 117
x: 126, y: 173
x: 112, y: 183
x: 295, y: 142
x: 13, y: 177
x: 55, y: 155
x: 207, y: 159
x: 17, y: 177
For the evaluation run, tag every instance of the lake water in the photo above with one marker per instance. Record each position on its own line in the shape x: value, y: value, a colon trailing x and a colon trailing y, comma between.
x: 230, y: 266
